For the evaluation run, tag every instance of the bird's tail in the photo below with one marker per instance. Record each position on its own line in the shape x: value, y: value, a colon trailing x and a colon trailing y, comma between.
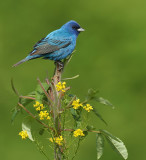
x: 22, y: 61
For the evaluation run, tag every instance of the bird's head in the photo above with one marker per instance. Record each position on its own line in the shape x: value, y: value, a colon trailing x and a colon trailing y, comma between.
x: 73, y: 27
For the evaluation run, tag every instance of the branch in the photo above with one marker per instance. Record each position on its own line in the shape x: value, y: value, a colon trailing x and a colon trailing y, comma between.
x: 57, y: 107
x: 26, y: 97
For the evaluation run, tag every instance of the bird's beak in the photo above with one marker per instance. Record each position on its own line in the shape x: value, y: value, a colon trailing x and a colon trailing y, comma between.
x: 80, y: 30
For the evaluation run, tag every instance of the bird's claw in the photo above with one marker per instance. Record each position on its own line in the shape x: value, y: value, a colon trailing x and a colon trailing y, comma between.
x: 60, y: 65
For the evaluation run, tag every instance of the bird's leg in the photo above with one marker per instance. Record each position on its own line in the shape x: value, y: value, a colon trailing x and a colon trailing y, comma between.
x: 60, y: 65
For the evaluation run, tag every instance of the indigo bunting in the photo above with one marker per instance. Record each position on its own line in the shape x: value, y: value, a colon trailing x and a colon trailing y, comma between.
x: 57, y: 45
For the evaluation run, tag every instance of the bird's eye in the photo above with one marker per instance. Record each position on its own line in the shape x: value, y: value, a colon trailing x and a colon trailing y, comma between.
x: 75, y: 27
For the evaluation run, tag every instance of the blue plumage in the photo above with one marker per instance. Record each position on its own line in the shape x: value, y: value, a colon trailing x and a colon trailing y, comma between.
x: 57, y: 45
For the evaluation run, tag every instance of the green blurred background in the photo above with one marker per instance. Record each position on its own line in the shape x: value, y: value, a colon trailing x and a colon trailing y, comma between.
x: 110, y: 56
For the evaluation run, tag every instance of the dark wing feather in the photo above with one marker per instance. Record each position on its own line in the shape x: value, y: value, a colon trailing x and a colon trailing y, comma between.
x: 45, y: 45
x: 41, y: 40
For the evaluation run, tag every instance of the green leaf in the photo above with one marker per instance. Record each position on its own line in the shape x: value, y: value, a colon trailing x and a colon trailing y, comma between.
x: 41, y: 148
x: 118, y: 146
x: 104, y: 101
x: 75, y: 114
x: 85, y: 133
x: 26, y: 101
x: 26, y: 126
x: 78, y: 123
x: 45, y: 86
x: 41, y: 132
x: 99, y: 145
x: 15, y: 111
x: 39, y: 93
x: 90, y: 127
x: 98, y: 115
x: 91, y: 94
x: 71, y: 95
x: 107, y: 134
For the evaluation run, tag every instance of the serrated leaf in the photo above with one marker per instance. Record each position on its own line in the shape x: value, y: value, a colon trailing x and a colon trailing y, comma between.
x: 104, y: 101
x: 98, y: 115
x: 108, y: 134
x: 118, y: 146
x: 99, y: 145
x: 26, y: 126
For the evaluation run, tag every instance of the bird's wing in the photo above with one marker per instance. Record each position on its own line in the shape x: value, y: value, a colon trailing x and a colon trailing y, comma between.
x: 49, y: 45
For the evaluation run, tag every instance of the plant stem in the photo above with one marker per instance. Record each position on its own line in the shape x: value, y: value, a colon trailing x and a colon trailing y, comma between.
x: 27, y: 97
x: 57, y: 108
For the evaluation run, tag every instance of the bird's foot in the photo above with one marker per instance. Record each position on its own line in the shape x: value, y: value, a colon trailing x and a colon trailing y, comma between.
x: 60, y: 65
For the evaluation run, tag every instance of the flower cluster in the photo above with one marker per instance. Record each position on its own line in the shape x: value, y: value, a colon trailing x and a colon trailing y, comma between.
x: 23, y: 134
x: 38, y: 106
x: 57, y: 140
x: 43, y: 115
x: 78, y: 132
x: 76, y: 104
x: 61, y: 86
x: 88, y: 107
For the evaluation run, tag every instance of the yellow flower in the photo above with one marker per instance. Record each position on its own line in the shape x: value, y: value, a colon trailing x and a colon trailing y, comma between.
x: 51, y: 140
x: 23, y: 134
x: 61, y: 86
x: 42, y: 106
x: 48, y: 117
x: 78, y: 132
x: 88, y: 107
x: 57, y: 140
x: 76, y: 104
x: 43, y: 115
x: 38, y: 106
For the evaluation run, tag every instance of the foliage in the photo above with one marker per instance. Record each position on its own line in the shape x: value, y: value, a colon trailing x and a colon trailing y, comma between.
x: 57, y: 116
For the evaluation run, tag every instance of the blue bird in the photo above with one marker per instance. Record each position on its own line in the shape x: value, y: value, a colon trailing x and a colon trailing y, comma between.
x: 57, y: 45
